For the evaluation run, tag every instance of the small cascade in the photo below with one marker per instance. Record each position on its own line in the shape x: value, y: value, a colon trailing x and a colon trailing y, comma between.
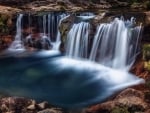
x: 44, y: 25
x: 85, y: 16
x: 78, y: 40
x: 45, y: 40
x: 53, y: 29
x: 17, y: 44
x: 47, y: 36
x: 115, y: 43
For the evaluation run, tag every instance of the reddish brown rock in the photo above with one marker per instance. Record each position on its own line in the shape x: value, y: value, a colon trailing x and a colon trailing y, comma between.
x: 130, y: 100
x: 14, y: 104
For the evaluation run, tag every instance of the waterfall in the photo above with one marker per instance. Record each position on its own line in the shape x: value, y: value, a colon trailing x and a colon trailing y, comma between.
x: 45, y: 40
x: 67, y: 81
x: 17, y: 44
x: 44, y: 25
x: 77, y: 40
x: 115, y: 44
x: 49, y: 37
x: 57, y: 42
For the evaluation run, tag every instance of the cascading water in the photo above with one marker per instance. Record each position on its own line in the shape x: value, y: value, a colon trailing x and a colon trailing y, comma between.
x: 45, y: 40
x: 115, y: 43
x: 85, y: 16
x: 78, y: 40
x: 53, y: 29
x: 49, y: 37
x: 66, y: 81
x: 17, y: 44
x: 44, y: 25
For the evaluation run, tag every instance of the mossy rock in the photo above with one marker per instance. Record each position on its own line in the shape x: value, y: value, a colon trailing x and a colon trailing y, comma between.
x: 147, y: 65
x: 41, y: 13
x: 64, y: 28
x: 146, y: 52
x: 3, y: 24
x: 120, y: 110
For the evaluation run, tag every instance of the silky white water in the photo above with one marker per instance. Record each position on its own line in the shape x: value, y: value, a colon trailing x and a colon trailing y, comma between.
x: 56, y: 44
x: 116, y: 44
x: 77, y: 40
x: 17, y: 44
x: 101, y: 68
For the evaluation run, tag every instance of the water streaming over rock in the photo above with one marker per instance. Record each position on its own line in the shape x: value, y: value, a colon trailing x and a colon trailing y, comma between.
x: 67, y: 81
x: 115, y: 44
x: 17, y: 44
x: 78, y: 40
x: 51, y: 23
x: 45, y: 40
x: 57, y: 42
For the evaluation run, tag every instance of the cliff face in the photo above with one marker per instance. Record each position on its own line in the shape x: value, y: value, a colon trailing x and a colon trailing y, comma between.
x: 74, y: 5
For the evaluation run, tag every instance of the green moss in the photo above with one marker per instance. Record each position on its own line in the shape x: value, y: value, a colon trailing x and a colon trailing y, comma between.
x: 146, y: 52
x: 3, y: 24
x: 147, y: 4
x: 120, y: 110
x: 147, y: 65
x: 41, y: 13
x: 64, y: 29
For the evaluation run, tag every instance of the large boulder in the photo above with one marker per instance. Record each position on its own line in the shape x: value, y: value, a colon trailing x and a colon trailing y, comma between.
x: 128, y: 101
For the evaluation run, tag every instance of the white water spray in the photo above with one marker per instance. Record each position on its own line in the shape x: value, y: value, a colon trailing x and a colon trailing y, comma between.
x: 17, y: 44
x: 115, y: 44
x: 57, y: 42
x: 77, y: 40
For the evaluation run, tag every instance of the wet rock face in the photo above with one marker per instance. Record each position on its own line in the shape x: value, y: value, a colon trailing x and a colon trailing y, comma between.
x: 128, y: 101
x: 64, y: 28
x: 73, y: 5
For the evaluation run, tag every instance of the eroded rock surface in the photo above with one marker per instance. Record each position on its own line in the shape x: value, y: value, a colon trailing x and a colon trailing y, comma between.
x: 128, y: 101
